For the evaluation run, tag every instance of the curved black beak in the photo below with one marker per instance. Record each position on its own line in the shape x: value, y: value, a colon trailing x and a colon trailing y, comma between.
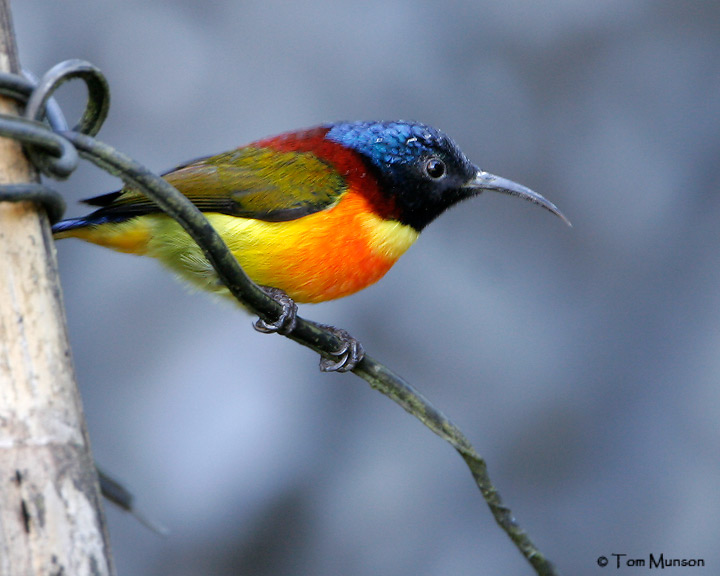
x: 486, y: 181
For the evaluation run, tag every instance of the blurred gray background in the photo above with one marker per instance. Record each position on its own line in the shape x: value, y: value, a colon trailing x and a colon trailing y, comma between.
x: 582, y: 363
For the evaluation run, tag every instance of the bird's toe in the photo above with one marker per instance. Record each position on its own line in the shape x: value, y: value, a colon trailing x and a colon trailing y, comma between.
x: 346, y: 357
x: 287, y: 320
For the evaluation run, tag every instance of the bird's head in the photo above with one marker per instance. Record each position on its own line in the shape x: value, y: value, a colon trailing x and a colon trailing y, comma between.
x: 422, y: 170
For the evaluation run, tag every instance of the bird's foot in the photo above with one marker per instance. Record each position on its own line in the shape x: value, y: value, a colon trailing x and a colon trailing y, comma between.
x: 288, y: 317
x: 346, y: 357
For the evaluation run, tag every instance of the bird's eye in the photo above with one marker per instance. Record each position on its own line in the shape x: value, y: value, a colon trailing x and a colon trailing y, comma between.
x: 435, y: 168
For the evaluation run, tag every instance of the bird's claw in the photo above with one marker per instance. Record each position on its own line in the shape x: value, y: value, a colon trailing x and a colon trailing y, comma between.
x: 288, y: 317
x: 346, y: 357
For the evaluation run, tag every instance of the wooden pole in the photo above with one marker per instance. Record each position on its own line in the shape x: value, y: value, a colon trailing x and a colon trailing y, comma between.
x: 51, y: 515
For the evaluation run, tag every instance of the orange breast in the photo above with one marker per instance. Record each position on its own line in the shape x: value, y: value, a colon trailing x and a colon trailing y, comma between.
x: 323, y: 256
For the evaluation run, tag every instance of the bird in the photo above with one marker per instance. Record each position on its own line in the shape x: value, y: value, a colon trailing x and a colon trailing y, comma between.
x: 312, y: 215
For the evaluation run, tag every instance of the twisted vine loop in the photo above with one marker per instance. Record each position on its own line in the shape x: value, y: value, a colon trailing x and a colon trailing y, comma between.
x: 39, y: 126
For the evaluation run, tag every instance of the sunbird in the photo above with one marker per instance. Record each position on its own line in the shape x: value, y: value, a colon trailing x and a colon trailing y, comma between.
x: 317, y: 214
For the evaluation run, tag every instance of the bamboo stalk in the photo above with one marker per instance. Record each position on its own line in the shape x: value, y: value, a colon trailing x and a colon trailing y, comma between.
x: 51, y: 517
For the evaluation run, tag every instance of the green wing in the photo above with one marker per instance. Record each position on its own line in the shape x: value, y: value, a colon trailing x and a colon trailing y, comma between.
x: 250, y: 182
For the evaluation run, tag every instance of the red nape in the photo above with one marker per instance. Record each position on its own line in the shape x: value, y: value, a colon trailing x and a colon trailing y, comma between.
x: 346, y: 161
